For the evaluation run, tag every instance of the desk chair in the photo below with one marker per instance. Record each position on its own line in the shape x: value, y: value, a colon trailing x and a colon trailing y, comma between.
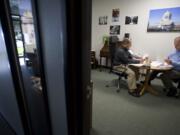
x: 30, y: 56
x: 120, y: 74
x: 94, y: 62
x: 33, y: 64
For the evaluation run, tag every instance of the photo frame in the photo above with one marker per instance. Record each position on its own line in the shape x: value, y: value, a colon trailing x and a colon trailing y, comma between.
x: 127, y: 35
x: 130, y: 20
x: 164, y: 20
x: 103, y: 20
x: 115, y: 15
x: 115, y: 29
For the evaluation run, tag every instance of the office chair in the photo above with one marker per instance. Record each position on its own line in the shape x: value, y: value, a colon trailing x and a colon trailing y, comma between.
x: 113, y: 44
x: 29, y: 57
x: 33, y: 63
x: 94, y: 62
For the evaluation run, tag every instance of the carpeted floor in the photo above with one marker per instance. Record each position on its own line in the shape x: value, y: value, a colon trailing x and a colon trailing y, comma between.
x: 121, y: 114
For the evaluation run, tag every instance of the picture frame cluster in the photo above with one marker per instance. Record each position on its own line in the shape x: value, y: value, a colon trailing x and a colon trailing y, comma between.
x: 160, y: 20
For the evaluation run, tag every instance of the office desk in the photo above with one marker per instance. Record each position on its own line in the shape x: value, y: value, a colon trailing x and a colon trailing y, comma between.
x: 149, y: 70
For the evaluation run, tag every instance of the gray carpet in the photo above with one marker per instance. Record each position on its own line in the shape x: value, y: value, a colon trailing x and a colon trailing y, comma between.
x: 121, y: 114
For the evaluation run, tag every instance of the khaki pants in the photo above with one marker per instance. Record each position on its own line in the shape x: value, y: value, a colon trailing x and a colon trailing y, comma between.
x: 131, y: 76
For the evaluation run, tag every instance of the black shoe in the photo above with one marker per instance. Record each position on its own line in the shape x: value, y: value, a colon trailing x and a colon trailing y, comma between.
x: 172, y: 92
x: 134, y: 94
x: 149, y: 82
x: 142, y: 82
x: 139, y: 84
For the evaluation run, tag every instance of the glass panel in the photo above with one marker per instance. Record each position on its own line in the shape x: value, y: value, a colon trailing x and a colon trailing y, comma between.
x: 23, y: 23
x: 14, y: 4
x: 8, y: 102
x: 18, y: 36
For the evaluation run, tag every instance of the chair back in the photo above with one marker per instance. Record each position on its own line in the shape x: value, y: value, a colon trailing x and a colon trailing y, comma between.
x: 113, y: 42
x: 34, y: 62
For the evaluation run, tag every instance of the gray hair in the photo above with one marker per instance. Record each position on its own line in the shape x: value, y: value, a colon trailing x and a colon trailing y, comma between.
x: 177, y: 40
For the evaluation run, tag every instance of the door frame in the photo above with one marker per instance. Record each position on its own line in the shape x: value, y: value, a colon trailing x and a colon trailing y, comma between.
x: 13, y: 57
x: 76, y: 46
x: 9, y: 37
x: 53, y: 58
x: 41, y: 62
x: 75, y: 42
x: 78, y: 64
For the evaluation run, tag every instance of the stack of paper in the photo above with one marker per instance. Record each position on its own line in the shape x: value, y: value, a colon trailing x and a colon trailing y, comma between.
x: 156, y: 63
x: 159, y: 64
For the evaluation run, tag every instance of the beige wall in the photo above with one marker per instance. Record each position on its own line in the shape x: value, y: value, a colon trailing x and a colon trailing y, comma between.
x: 30, y: 47
x: 157, y: 45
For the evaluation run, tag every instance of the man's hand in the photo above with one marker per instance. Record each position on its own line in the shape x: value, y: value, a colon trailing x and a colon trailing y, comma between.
x: 141, y: 60
x: 168, y: 61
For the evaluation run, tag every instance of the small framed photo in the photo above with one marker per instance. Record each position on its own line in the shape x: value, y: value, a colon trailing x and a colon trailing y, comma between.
x: 127, y: 35
x: 131, y: 20
x: 103, y: 20
x: 115, y: 29
x: 115, y: 15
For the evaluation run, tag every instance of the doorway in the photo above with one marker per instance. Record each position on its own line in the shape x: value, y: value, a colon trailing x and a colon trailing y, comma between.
x: 120, y: 113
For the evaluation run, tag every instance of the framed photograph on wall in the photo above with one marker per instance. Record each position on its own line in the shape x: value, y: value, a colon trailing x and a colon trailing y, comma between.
x: 103, y: 20
x: 115, y: 15
x: 131, y: 20
x: 164, y: 20
x: 127, y: 35
x: 115, y: 29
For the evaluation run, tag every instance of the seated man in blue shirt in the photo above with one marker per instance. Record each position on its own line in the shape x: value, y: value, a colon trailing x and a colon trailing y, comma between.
x: 174, y: 74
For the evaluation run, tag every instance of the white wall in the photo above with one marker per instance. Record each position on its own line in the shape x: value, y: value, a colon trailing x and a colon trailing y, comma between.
x: 157, y: 45
x: 30, y: 48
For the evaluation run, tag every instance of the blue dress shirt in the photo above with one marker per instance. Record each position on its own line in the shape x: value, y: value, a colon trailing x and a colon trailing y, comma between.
x: 175, y: 59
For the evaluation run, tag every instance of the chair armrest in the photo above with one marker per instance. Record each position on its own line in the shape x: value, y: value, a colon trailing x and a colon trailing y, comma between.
x: 120, y: 68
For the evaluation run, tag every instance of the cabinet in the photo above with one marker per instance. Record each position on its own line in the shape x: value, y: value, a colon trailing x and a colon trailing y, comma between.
x: 94, y: 62
x: 104, y: 53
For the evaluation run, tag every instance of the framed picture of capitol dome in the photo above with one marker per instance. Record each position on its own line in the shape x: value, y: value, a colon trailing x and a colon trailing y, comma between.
x: 164, y: 20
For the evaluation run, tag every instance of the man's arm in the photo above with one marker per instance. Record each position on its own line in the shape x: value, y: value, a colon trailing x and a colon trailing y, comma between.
x: 172, y: 62
x: 176, y: 64
x: 125, y: 59
x: 133, y: 61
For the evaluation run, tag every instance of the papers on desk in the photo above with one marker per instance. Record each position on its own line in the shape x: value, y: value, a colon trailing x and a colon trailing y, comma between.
x: 155, y: 65
x: 159, y: 64
x: 137, y: 65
